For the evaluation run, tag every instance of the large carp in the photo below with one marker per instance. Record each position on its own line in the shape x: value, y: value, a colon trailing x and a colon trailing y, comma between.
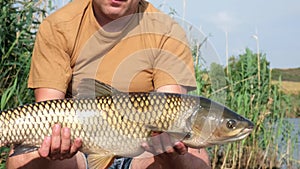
x: 114, y: 123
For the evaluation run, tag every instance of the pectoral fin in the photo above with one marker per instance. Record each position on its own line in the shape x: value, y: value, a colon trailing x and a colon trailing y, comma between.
x: 153, y: 128
x: 101, y: 160
x: 179, y: 135
x: 175, y: 133
x: 23, y: 149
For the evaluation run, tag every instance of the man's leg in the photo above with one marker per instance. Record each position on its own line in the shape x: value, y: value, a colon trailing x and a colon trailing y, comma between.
x: 33, y: 161
x: 194, y: 159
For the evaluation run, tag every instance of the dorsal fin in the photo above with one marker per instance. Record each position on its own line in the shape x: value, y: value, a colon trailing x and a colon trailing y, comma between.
x: 93, y: 88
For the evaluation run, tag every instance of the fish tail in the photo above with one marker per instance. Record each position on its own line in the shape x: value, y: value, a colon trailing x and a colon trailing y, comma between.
x: 1, y: 129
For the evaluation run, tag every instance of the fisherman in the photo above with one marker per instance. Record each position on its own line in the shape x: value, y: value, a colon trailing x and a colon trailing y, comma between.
x: 133, y: 53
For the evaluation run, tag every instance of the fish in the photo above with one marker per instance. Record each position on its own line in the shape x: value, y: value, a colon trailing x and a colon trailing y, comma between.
x: 114, y: 124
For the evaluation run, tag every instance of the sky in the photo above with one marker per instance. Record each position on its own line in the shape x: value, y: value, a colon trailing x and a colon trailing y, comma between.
x: 271, y: 25
x: 275, y: 24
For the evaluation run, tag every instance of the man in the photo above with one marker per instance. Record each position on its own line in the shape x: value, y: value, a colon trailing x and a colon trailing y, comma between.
x: 125, y: 43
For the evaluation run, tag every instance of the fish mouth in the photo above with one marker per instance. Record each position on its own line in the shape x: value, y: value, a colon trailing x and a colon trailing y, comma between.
x: 243, y: 134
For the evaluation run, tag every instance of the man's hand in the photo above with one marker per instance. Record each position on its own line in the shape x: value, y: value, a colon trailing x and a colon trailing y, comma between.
x: 170, y: 155
x: 59, y: 145
x: 174, y: 160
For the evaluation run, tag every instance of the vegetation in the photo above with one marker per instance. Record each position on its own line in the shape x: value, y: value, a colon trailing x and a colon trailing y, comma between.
x: 16, y: 43
x: 289, y: 81
x: 18, y: 25
x: 238, y: 86
x: 295, y: 105
x: 293, y: 90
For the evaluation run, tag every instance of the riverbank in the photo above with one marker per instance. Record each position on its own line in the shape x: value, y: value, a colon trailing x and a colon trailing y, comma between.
x: 293, y: 90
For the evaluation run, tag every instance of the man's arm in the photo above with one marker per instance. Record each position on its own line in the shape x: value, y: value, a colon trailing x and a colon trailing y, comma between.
x: 42, y: 94
x: 172, y: 89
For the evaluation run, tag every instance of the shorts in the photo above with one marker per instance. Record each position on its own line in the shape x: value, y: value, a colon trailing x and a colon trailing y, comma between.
x: 119, y: 163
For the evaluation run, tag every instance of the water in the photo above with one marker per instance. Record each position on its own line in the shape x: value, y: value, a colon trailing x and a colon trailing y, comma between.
x: 291, y: 149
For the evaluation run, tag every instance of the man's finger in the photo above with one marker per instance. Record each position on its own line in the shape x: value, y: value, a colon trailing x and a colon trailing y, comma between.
x: 156, y: 142
x: 147, y: 147
x: 180, y: 148
x: 55, y: 140
x: 75, y: 146
x: 65, y: 141
x: 45, y: 148
x: 166, y: 142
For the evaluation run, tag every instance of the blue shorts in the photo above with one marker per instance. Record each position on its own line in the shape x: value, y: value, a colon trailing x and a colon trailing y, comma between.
x: 119, y: 163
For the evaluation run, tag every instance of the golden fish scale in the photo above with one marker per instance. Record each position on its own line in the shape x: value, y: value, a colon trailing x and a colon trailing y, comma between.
x: 115, y: 123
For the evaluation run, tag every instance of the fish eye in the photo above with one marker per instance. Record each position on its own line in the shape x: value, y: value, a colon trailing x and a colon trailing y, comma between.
x: 231, y: 124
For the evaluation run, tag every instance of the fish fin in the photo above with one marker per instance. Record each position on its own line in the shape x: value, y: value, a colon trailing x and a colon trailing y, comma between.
x: 182, y: 128
x: 177, y: 133
x: 100, y: 161
x: 153, y: 128
x: 23, y: 149
x: 93, y: 88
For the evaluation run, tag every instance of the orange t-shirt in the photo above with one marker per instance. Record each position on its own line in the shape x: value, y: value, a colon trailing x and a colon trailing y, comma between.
x: 149, y: 51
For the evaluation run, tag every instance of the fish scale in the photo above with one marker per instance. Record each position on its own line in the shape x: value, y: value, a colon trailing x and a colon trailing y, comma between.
x: 117, y: 123
x: 123, y: 127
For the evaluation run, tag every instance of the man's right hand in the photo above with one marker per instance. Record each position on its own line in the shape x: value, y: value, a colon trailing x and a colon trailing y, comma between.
x: 58, y: 145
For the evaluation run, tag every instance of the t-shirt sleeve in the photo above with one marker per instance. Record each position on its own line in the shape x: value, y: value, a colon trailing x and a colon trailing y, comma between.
x: 174, y: 63
x: 50, y: 64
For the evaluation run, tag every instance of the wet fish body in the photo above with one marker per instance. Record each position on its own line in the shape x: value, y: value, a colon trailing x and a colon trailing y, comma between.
x: 116, y: 124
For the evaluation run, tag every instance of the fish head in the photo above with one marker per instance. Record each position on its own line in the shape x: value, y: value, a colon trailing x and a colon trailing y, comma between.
x: 215, y: 124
